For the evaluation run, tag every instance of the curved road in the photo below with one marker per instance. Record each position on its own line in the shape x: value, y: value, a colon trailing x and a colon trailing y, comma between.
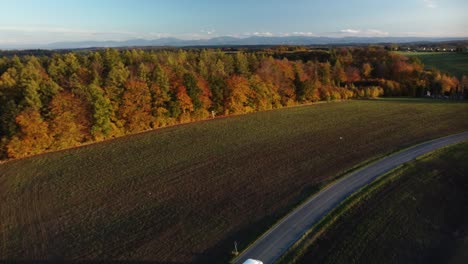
x: 277, y: 240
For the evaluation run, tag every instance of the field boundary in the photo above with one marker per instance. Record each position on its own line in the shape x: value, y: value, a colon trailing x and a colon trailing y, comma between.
x: 298, y: 249
x: 220, y: 117
x: 328, y: 184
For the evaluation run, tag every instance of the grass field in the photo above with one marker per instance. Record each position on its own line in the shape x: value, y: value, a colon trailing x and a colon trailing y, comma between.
x: 419, y: 215
x: 450, y: 62
x: 185, y: 194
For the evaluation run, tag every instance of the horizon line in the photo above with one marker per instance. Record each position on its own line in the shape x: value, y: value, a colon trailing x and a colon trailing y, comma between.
x: 181, y: 43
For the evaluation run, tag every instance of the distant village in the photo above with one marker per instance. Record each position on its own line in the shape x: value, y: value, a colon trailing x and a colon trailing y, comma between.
x: 440, y: 47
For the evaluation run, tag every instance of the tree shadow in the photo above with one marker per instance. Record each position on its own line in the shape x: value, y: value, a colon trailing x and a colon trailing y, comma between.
x: 415, y: 100
x: 222, y: 251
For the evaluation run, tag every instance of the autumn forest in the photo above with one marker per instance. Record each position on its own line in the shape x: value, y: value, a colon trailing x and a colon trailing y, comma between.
x: 54, y: 102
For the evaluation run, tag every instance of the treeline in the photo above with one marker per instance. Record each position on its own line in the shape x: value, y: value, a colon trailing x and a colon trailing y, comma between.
x: 64, y: 100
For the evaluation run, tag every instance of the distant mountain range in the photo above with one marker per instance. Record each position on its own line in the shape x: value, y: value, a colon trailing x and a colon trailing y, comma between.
x: 231, y: 41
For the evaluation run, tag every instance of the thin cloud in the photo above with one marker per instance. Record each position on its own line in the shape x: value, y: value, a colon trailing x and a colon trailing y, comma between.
x: 303, y: 34
x: 430, y: 3
x: 376, y: 32
x: 158, y: 35
x: 256, y: 34
x: 263, y: 34
x: 209, y: 32
x: 358, y: 33
x: 350, y: 31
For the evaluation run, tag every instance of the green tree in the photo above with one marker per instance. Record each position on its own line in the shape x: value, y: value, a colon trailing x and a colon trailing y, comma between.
x: 102, y: 112
x: 190, y: 83
x: 339, y: 74
x: 219, y: 93
x: 242, y: 64
x: 36, y: 87
x: 299, y: 87
x: 143, y: 72
x: 325, y: 72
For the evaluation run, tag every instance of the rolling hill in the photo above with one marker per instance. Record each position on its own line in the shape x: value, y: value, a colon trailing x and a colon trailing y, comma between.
x: 185, y: 193
x: 231, y: 41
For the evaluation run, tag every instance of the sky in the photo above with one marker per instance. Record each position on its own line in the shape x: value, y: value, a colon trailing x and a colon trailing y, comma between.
x: 48, y: 21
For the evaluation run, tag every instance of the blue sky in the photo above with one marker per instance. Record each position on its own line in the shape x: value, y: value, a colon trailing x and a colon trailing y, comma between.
x: 46, y: 21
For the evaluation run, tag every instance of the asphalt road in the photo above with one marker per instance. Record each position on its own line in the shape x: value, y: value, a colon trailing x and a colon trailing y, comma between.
x: 277, y: 240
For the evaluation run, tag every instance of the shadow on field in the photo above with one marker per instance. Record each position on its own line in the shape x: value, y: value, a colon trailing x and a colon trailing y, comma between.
x: 419, y: 100
x: 85, y: 262
x: 222, y: 251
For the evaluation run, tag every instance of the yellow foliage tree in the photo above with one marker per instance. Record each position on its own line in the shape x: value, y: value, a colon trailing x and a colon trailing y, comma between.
x: 239, y: 93
x: 70, y: 124
x: 34, y: 137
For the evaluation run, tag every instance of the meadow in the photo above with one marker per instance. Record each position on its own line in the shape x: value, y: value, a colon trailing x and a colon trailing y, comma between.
x: 450, y: 62
x: 185, y: 193
x: 418, y: 215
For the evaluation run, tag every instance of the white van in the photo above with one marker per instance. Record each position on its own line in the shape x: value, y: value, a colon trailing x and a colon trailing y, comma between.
x: 253, y: 261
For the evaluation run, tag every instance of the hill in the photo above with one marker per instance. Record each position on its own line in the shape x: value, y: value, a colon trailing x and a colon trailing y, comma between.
x: 186, y: 193
x: 233, y: 41
x: 419, y: 216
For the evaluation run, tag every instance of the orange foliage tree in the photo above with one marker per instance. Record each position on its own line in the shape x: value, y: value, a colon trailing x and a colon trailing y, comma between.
x: 185, y: 104
x: 135, y: 109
